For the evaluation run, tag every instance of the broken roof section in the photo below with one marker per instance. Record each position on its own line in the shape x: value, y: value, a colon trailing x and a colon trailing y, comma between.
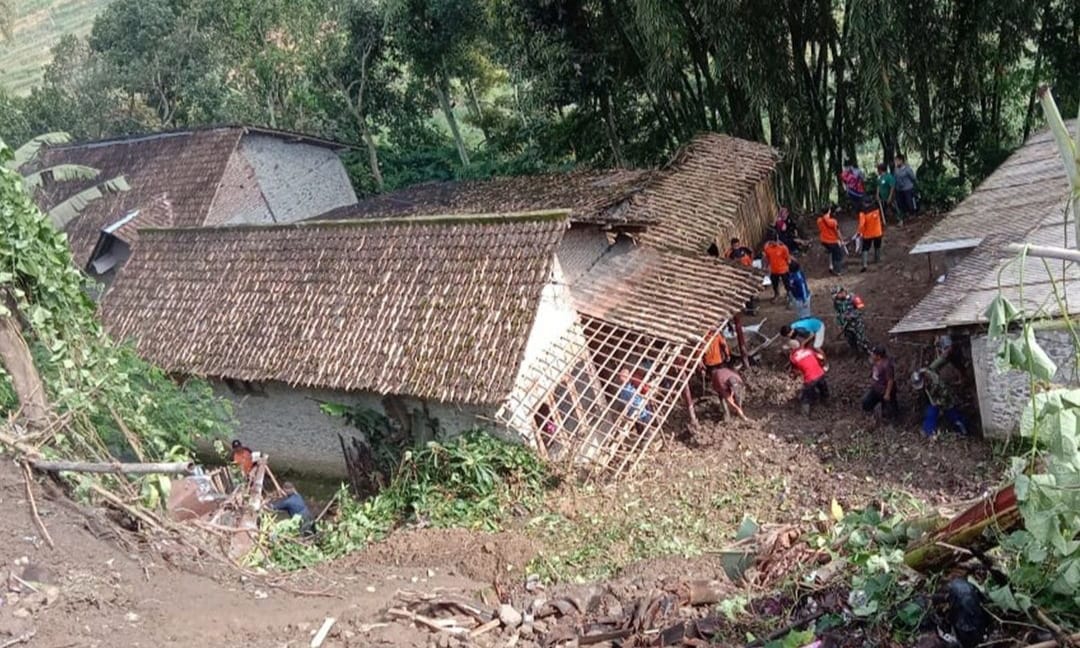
x: 185, y: 166
x: 682, y: 205
x: 1024, y: 201
x: 1026, y: 188
x: 432, y: 307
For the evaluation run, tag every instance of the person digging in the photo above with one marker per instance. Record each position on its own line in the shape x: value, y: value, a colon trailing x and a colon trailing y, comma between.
x: 731, y: 389
x: 940, y: 401
x: 810, y: 365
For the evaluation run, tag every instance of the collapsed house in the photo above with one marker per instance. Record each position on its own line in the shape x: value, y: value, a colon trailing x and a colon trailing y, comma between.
x: 1023, y: 201
x: 574, y: 331
x: 193, y: 178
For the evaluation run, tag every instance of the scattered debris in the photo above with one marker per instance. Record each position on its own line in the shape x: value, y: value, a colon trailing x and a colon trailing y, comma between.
x: 320, y: 636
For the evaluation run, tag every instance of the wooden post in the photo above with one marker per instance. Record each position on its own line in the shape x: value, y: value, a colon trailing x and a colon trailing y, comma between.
x: 740, y: 336
x: 930, y: 267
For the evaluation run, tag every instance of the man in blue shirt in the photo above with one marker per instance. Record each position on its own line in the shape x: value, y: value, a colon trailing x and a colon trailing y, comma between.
x: 804, y: 330
x: 293, y: 504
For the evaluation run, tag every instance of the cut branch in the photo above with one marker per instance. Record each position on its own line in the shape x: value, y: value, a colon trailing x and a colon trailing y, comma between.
x: 169, y: 468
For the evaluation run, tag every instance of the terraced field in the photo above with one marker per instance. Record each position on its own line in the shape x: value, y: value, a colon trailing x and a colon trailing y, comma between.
x: 39, y: 24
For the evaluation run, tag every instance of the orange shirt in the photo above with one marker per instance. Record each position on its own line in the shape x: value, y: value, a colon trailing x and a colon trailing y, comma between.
x: 242, y: 457
x: 870, y: 223
x: 828, y: 228
x: 717, y: 353
x: 778, y: 256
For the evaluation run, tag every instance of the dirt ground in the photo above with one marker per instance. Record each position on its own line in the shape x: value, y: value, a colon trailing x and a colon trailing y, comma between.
x: 663, y: 522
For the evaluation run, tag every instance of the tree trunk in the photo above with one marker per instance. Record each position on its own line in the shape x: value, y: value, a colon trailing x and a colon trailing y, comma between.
x: 442, y: 89
x: 373, y: 155
x: 19, y: 364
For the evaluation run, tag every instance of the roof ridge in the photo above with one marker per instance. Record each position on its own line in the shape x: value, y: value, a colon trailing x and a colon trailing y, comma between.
x: 439, y: 219
x: 176, y: 132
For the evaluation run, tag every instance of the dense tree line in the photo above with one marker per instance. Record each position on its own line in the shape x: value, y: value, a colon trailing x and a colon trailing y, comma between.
x: 438, y: 88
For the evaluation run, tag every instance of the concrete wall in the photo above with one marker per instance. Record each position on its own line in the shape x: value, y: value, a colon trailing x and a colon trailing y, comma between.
x: 298, y: 180
x: 239, y: 198
x: 288, y: 425
x: 544, y: 360
x: 1003, y: 394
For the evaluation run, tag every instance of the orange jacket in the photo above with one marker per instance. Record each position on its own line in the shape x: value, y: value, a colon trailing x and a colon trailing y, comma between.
x: 778, y: 256
x: 870, y: 224
x: 828, y: 228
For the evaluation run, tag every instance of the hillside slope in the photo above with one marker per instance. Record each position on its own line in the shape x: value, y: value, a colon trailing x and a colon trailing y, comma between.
x: 39, y: 24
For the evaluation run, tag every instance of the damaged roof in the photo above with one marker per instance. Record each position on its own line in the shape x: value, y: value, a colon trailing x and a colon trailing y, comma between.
x: 432, y: 307
x: 186, y: 166
x: 1024, y: 204
x: 682, y: 205
x: 664, y: 293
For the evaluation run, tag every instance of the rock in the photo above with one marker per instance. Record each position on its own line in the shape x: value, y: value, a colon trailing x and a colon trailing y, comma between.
x: 540, y: 627
x: 443, y: 640
x: 131, y: 617
x: 509, y: 616
x: 370, y: 589
x: 52, y: 592
x: 21, y: 613
x: 431, y: 573
x: 35, y: 573
x: 259, y: 594
x: 527, y: 631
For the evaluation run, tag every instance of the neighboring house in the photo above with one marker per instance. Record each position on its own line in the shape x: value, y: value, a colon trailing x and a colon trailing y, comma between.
x: 195, y: 178
x: 441, y: 323
x: 715, y: 188
x: 1023, y: 201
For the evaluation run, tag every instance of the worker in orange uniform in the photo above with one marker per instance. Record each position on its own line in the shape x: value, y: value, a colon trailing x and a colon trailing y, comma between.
x: 871, y: 229
x: 779, y: 258
x: 830, y: 236
x: 717, y: 354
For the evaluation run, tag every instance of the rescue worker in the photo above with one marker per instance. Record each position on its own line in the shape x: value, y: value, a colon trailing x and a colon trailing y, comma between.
x: 947, y: 353
x: 940, y: 400
x: 731, y: 389
x: 778, y: 257
x: 739, y: 253
x: 848, y: 309
x: 808, y: 332
x: 882, y: 385
x: 293, y: 504
x: 830, y: 237
x: 871, y: 229
x: 241, y: 456
x: 717, y: 354
x: 798, y: 290
x: 810, y: 365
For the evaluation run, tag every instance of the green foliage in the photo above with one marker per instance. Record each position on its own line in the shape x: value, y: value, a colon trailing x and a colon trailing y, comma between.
x: 473, y: 480
x: 93, y: 382
x: 939, y: 189
x: 793, y: 639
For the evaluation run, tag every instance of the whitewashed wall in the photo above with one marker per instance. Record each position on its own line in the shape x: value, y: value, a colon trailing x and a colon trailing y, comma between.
x: 1003, y: 394
x: 288, y: 425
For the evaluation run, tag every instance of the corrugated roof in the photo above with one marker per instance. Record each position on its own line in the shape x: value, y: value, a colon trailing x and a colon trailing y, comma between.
x: 1026, y: 188
x: 1024, y: 204
x: 436, y: 308
x: 683, y: 205
x: 663, y: 293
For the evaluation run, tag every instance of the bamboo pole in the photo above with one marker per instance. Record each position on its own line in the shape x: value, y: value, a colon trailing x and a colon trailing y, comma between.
x: 170, y: 468
x: 1044, y: 251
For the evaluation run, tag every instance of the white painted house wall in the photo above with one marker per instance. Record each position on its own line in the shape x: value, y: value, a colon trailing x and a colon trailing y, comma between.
x: 1004, y: 394
x: 298, y: 180
x: 287, y: 424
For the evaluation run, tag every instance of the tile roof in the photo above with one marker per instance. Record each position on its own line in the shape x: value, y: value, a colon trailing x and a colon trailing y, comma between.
x: 666, y: 294
x: 1026, y: 188
x: 683, y: 204
x: 1024, y: 201
x: 436, y: 308
x: 701, y: 192
x: 186, y: 166
x: 157, y: 212
x: 590, y: 196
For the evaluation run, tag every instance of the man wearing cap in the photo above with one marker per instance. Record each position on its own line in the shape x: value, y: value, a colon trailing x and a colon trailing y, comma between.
x: 882, y: 385
x: 940, y: 401
x: 849, y: 316
x: 809, y: 364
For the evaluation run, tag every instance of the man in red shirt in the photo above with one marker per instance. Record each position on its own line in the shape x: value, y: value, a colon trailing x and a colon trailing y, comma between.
x: 809, y: 363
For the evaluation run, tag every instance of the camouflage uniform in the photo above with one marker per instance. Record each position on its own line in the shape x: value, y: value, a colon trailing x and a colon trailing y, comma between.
x: 851, y: 322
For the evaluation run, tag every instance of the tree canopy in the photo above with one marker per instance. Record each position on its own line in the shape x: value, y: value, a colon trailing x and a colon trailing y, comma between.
x: 430, y: 89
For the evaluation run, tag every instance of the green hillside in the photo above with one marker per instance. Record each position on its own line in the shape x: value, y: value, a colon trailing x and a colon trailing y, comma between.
x: 39, y: 24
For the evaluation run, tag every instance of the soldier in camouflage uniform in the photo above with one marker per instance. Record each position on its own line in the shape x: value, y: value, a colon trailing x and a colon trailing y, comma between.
x: 850, y: 319
x: 940, y: 400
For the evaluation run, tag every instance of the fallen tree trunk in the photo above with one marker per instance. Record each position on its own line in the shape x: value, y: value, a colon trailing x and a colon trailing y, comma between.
x: 26, y: 382
x: 937, y: 550
x: 170, y: 468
